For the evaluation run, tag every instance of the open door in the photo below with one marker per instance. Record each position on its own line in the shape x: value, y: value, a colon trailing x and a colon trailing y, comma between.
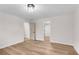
x: 33, y: 31
x: 27, y: 30
x: 47, y: 30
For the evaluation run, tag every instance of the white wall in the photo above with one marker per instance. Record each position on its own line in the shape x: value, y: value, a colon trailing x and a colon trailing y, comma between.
x: 11, y: 30
x: 76, y: 30
x: 61, y: 30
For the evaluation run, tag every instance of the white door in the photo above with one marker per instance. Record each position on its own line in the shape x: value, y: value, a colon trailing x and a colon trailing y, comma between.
x: 47, y: 30
x: 27, y: 30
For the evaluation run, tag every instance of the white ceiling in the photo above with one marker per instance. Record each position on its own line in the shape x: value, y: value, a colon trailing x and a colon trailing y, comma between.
x: 42, y: 10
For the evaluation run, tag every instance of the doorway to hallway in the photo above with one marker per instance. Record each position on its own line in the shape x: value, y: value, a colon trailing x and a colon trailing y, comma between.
x: 26, y: 31
x: 47, y: 30
x: 33, y: 31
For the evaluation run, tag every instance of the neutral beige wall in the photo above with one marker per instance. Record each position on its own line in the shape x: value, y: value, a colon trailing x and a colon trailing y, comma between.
x: 11, y: 30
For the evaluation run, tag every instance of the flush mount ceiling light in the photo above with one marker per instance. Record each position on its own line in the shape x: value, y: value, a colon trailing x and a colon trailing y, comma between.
x: 30, y: 7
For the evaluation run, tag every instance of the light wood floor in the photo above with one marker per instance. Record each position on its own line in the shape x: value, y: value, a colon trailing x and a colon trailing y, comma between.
x: 30, y: 47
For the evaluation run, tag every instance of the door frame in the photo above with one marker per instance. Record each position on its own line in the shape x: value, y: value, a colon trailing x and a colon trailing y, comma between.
x: 47, y: 38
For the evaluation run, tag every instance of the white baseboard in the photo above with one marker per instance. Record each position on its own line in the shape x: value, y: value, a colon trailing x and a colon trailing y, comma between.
x: 62, y: 43
x: 11, y: 43
x: 76, y: 49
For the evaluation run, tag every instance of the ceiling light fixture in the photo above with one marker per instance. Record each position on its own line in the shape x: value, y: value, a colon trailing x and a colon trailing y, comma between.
x: 30, y: 7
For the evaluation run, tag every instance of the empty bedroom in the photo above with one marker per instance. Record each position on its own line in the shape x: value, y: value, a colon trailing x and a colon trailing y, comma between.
x: 39, y: 29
